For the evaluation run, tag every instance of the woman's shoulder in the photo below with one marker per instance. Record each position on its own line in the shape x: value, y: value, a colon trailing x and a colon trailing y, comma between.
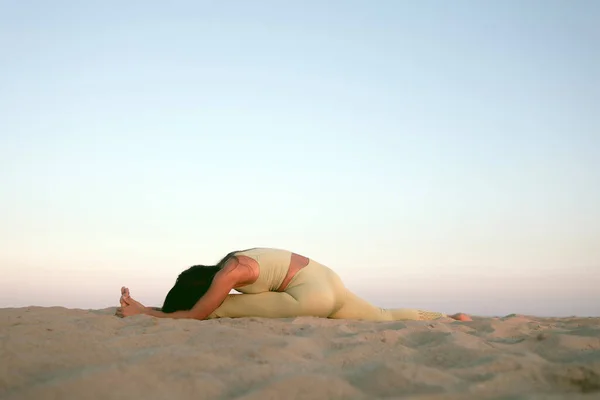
x: 260, y: 250
x: 256, y: 253
x: 233, y: 255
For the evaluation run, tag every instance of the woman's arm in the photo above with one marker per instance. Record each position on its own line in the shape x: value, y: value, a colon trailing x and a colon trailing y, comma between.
x: 223, y: 282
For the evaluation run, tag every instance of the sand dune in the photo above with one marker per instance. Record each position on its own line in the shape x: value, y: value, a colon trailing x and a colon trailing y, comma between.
x: 58, y: 353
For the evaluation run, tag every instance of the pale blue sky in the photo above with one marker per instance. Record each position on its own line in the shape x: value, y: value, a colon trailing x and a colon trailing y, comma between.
x: 435, y: 154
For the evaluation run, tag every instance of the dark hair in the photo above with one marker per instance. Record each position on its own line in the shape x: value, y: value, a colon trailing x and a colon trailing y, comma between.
x: 191, y: 285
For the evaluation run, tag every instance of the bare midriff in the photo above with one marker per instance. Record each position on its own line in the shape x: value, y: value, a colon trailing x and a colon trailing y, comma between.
x: 297, y: 262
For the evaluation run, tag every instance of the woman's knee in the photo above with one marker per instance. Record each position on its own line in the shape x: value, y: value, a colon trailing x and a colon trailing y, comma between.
x: 321, y: 304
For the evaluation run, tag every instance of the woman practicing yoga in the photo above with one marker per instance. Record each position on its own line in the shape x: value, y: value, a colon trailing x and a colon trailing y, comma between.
x: 274, y: 284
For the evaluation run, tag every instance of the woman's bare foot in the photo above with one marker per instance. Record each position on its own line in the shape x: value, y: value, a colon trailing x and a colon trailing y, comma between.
x: 126, y: 298
x: 129, y: 306
x: 461, y: 317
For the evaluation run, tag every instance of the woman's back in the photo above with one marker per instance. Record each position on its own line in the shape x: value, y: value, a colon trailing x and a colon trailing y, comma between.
x: 273, y: 267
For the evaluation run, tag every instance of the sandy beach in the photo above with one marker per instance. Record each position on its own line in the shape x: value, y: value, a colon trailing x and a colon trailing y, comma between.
x: 59, y: 353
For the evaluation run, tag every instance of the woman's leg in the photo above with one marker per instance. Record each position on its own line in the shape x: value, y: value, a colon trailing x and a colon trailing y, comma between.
x: 358, y: 309
x: 315, y: 291
x: 316, y: 300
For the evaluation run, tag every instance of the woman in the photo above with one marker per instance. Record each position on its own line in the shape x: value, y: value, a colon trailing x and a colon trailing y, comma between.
x: 274, y: 284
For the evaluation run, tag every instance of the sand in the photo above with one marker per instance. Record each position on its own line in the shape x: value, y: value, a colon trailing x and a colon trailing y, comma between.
x: 59, y: 353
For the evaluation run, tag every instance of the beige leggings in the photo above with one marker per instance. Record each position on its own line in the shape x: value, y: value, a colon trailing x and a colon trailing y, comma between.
x: 315, y: 291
